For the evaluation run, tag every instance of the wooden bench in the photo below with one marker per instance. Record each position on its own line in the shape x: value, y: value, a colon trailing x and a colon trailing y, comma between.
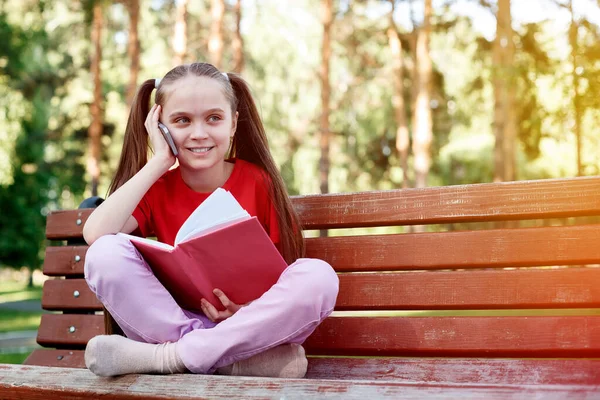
x: 477, y: 306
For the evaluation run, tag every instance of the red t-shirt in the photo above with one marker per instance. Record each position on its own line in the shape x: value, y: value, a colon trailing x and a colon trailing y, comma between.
x: 169, y: 202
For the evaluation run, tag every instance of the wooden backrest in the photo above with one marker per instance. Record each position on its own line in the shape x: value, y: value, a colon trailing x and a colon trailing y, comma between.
x: 467, y: 287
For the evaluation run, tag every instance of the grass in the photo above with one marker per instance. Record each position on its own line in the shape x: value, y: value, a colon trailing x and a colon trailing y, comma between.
x: 13, y: 320
x: 15, y: 291
x: 16, y: 358
x: 17, y: 320
x: 29, y: 294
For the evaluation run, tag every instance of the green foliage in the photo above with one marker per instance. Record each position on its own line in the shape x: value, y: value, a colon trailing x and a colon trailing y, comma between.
x: 46, y: 90
x: 40, y: 173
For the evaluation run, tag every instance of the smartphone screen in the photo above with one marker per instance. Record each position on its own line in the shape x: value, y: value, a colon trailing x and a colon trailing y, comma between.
x: 168, y: 138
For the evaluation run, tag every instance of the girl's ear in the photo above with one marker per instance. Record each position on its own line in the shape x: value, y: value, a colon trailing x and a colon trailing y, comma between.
x: 234, y: 122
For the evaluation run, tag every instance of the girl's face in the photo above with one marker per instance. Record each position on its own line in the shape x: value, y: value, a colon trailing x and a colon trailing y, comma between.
x: 199, y: 118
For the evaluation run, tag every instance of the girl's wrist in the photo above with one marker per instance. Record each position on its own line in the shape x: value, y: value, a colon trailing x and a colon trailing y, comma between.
x: 161, y: 163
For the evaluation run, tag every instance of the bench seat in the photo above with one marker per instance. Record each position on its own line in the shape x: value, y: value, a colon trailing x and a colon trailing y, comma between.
x: 484, y: 290
x: 21, y: 381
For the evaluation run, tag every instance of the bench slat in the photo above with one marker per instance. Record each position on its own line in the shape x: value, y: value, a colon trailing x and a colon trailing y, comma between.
x: 69, y: 294
x: 471, y: 290
x: 525, y: 247
x: 55, y: 329
x: 458, y: 370
x: 64, y: 260
x: 56, y: 358
x: 548, y: 198
x: 409, y: 370
x: 565, y: 336
x: 32, y: 382
x: 440, y: 290
x: 66, y: 224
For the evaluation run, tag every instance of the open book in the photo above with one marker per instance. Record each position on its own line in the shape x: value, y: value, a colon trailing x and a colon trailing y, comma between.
x: 219, y: 246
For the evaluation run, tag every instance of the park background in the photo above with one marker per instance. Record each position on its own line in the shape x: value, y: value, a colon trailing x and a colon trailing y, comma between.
x: 355, y: 95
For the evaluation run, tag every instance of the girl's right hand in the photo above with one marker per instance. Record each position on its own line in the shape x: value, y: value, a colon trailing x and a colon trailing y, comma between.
x: 158, y: 142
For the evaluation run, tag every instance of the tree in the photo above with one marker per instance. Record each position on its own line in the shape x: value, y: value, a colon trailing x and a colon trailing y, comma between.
x: 133, y: 48
x: 215, y: 42
x: 576, y: 98
x: 422, y: 120
x: 44, y: 159
x: 96, y: 108
x: 180, y: 33
x: 505, y: 129
x: 402, y: 134
x: 326, y: 19
x: 238, y: 42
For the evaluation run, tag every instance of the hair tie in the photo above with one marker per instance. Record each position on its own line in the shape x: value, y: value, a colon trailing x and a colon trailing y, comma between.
x: 225, y: 75
x: 156, y: 83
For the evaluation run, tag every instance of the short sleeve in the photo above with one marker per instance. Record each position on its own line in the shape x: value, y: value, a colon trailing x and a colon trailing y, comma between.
x: 143, y: 216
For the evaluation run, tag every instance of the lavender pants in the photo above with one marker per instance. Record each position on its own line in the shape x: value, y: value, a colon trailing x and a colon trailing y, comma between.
x: 289, y: 312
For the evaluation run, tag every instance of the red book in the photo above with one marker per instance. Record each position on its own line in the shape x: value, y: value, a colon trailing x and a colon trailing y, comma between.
x: 219, y: 246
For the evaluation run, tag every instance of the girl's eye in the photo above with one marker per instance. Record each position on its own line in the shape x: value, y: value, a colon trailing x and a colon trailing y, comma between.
x: 214, y: 118
x: 182, y: 120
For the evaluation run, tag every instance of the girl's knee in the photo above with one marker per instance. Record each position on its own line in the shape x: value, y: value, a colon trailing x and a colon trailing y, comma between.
x: 104, y: 259
x: 319, y: 282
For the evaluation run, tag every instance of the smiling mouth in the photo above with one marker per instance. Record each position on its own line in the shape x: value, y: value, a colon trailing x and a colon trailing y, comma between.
x: 200, y: 150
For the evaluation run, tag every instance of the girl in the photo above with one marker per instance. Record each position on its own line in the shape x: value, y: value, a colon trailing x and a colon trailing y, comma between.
x: 221, y: 142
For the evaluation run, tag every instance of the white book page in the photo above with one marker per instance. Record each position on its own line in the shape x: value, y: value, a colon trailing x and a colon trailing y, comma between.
x: 215, y: 227
x: 218, y: 209
x: 151, y: 242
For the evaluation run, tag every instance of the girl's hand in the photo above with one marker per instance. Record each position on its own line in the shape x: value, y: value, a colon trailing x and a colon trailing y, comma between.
x: 159, y: 144
x: 213, y: 314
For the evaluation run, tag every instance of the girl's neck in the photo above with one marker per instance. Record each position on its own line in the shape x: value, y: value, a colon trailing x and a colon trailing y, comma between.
x: 208, y: 180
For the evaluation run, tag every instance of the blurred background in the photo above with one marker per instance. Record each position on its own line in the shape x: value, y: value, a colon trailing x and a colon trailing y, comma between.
x: 355, y: 95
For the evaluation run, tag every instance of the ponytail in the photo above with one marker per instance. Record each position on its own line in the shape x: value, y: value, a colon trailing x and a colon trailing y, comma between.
x: 251, y: 145
x: 136, y: 143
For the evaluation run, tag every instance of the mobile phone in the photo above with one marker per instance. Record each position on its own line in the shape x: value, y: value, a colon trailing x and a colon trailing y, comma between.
x: 168, y: 138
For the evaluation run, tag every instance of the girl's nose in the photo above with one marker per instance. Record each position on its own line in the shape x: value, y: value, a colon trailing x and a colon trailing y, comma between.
x: 199, y: 132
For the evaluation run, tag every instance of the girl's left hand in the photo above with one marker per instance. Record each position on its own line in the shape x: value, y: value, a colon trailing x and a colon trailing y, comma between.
x: 213, y: 314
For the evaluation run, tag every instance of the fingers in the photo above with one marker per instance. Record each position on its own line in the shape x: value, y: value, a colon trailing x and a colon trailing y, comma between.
x: 209, y: 310
x: 159, y: 145
x: 228, y: 304
x: 151, y: 122
x: 215, y: 315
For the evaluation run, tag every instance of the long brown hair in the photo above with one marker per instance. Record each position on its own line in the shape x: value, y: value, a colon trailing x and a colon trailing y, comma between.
x: 249, y: 144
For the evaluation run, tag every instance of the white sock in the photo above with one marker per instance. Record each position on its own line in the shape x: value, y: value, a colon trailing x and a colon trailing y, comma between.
x: 284, y: 361
x: 111, y: 355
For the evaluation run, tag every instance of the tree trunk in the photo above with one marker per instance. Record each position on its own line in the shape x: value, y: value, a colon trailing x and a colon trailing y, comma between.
x: 402, y: 136
x: 133, y: 49
x: 30, y: 280
x: 95, y: 129
x: 215, y: 43
x: 505, y: 121
x: 326, y: 19
x: 238, y: 42
x: 180, y: 33
x: 422, y: 125
x: 573, y: 33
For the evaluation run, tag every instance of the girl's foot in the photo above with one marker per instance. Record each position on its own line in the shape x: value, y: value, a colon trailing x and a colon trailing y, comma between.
x: 284, y: 361
x: 111, y: 355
